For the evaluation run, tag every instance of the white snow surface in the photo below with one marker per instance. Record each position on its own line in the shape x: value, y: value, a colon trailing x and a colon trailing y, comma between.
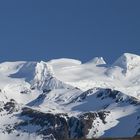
x: 65, y: 80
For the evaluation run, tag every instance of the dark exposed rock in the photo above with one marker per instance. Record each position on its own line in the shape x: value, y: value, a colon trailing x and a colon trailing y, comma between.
x: 49, y: 123
x: 138, y: 132
x: 46, y: 91
x: 117, y: 96
x: 82, y: 97
x: 76, y: 128
x: 59, y: 125
x: 25, y: 91
x: 11, y: 106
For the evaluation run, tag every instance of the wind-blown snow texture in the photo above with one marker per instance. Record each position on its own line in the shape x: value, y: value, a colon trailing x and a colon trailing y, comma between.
x: 40, y: 99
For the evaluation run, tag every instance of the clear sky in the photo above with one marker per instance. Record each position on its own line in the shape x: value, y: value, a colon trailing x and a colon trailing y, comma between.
x: 80, y: 29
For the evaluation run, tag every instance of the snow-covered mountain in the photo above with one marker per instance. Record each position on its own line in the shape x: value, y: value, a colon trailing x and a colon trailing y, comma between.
x: 65, y: 98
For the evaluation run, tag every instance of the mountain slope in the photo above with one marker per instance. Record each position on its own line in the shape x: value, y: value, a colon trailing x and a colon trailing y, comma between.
x: 107, y: 114
x: 128, y: 61
x: 65, y: 98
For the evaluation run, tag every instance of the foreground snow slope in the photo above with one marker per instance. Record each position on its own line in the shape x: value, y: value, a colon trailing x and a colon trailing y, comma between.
x: 95, y: 99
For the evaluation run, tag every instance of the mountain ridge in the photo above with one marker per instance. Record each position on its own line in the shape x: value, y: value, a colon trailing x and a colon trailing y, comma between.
x: 86, y: 100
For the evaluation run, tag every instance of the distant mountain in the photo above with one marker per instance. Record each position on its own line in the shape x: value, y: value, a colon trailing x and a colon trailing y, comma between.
x: 128, y: 62
x: 67, y: 99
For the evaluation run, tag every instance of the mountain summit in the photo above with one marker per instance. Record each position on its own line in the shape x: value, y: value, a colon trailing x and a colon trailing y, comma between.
x: 97, y: 61
x: 128, y: 61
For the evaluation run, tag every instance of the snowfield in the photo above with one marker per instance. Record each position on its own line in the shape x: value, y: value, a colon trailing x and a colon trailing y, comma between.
x: 86, y: 100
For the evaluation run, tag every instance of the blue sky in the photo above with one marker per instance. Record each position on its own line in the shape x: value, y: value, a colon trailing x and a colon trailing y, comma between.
x: 80, y: 29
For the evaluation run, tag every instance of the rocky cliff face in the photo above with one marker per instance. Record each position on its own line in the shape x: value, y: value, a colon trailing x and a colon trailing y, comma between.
x: 57, y: 126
